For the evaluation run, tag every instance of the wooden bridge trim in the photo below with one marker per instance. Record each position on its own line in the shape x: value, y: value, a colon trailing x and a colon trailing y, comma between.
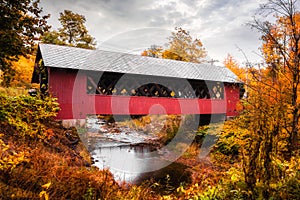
x: 132, y: 105
x: 75, y: 103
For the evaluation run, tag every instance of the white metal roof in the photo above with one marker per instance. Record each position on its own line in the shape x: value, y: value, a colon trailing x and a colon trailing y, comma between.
x: 108, y: 61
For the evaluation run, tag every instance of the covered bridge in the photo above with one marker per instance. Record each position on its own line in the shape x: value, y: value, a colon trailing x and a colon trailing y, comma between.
x: 104, y: 82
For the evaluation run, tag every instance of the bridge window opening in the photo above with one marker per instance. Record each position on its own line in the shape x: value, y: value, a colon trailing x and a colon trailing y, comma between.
x: 154, y: 90
x: 131, y: 85
x: 201, y: 89
x: 103, y: 83
x: 208, y: 89
x: 217, y: 91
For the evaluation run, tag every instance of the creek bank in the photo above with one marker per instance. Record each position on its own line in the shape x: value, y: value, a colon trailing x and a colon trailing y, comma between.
x: 133, y: 154
x: 59, y: 160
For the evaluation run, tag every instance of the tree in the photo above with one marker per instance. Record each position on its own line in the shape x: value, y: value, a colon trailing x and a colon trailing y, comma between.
x: 154, y: 51
x: 52, y: 37
x: 181, y: 47
x: 264, y: 119
x: 21, y: 24
x: 168, y: 54
x: 281, y: 51
x: 185, y: 47
x: 23, y: 71
x: 271, y: 113
x: 234, y: 66
x: 72, y: 33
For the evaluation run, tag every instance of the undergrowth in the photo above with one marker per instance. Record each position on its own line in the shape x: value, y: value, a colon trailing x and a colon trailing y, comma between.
x: 40, y: 159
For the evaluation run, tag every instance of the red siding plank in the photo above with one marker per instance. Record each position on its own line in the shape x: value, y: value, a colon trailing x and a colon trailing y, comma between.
x: 70, y: 89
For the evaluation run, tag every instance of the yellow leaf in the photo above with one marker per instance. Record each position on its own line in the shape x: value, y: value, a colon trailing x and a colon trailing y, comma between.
x: 44, y: 194
x: 46, y: 186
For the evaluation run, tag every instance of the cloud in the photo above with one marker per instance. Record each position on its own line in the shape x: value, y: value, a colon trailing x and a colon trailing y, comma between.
x: 220, y: 24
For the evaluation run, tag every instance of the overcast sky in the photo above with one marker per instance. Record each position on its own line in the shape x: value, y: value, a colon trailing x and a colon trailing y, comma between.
x: 134, y: 25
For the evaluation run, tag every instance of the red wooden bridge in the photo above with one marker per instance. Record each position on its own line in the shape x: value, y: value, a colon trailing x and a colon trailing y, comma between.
x: 102, y: 82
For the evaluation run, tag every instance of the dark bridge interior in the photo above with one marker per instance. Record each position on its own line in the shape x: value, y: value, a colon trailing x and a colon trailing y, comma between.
x: 108, y: 83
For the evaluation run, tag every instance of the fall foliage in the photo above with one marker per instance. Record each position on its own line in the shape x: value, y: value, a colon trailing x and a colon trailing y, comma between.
x: 184, y: 47
x: 23, y: 71
x: 271, y: 112
x: 255, y: 155
x: 281, y: 52
x: 181, y: 47
x: 236, y: 68
x: 22, y: 23
x: 72, y: 32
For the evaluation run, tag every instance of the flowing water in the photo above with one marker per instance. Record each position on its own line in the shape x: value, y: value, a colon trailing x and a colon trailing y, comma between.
x: 129, y: 154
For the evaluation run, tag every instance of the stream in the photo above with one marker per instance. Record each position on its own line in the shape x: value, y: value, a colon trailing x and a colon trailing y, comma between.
x: 130, y: 154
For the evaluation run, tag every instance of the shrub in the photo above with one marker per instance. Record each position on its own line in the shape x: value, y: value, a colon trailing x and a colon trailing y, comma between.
x: 27, y: 115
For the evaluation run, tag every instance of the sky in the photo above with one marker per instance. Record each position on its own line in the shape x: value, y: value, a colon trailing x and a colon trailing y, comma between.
x: 135, y: 25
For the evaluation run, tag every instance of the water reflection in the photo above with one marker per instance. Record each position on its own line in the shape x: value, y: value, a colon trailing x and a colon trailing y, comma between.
x: 131, y: 164
x: 125, y: 162
x: 128, y: 157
